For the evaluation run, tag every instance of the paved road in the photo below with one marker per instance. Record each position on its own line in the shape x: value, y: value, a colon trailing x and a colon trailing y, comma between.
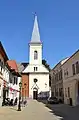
x: 33, y: 111
x: 65, y: 111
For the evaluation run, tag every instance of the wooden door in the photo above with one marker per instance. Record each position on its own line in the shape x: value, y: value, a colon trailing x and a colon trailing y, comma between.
x: 35, y: 95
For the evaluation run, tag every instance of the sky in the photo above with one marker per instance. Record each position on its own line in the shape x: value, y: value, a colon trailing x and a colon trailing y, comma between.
x: 58, y: 23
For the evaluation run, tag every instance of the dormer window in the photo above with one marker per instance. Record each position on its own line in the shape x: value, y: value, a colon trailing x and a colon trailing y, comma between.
x: 35, y: 55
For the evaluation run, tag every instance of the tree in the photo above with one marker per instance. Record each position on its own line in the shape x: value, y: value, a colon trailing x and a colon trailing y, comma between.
x: 44, y: 62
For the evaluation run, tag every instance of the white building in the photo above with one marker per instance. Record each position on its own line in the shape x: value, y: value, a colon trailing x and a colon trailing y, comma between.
x: 38, y: 73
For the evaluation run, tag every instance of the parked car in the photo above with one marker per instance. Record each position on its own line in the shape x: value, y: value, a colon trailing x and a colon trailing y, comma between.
x: 52, y: 100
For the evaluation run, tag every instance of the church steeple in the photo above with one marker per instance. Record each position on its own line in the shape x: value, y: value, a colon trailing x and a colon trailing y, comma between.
x: 35, y: 56
x: 35, y: 33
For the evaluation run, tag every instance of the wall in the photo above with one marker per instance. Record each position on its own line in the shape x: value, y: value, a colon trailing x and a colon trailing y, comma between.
x: 1, y: 81
x: 42, y: 79
x: 25, y: 89
x: 41, y: 68
x: 70, y: 80
x: 31, y: 54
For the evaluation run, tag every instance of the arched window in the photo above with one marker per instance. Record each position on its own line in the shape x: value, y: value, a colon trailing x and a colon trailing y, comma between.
x: 35, y: 55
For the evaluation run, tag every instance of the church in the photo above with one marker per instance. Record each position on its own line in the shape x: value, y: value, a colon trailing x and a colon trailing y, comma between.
x: 35, y: 76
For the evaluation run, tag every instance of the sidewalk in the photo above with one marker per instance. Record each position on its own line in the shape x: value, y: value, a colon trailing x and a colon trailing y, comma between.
x: 33, y: 111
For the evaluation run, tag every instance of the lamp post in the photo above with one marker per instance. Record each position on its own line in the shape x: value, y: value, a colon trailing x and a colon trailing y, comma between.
x: 19, y: 105
x: 25, y: 89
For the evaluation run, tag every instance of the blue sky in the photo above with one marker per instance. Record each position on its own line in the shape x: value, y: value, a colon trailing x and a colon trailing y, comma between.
x: 58, y: 23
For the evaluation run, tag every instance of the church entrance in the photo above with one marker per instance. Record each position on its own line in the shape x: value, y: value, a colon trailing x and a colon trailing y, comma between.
x: 35, y: 93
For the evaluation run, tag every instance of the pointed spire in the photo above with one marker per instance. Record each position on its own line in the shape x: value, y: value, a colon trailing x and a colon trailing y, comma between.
x: 35, y: 34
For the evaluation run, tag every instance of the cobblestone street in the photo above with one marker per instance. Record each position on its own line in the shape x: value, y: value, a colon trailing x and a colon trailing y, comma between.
x: 33, y: 111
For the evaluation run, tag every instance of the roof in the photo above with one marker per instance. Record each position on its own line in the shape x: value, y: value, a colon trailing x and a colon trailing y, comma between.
x: 59, y: 63
x: 3, y: 52
x: 71, y: 56
x: 22, y: 66
x: 13, y: 65
x: 35, y: 33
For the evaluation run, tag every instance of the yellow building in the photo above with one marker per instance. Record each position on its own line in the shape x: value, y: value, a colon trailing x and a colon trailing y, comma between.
x: 71, y: 79
x: 57, y: 80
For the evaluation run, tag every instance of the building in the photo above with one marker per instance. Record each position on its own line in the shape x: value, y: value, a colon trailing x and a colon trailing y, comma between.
x: 25, y: 80
x: 3, y: 82
x: 71, y: 79
x: 38, y: 74
x: 57, y: 80
x: 14, y: 80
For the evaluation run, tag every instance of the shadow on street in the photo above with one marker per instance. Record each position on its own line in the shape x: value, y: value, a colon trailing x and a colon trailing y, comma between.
x: 65, y: 111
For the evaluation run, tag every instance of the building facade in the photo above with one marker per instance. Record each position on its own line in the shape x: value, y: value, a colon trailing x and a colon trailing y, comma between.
x: 25, y: 80
x: 3, y: 82
x: 14, y: 80
x: 57, y: 81
x: 71, y: 80
x: 38, y: 84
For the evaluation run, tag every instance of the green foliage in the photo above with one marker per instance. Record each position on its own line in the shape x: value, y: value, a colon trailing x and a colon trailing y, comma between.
x: 44, y: 62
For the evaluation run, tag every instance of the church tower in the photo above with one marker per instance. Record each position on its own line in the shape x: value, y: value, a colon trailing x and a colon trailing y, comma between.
x: 35, y: 53
x: 38, y: 74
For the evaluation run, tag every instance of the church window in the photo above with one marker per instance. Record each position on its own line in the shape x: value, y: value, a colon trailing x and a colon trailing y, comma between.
x: 35, y: 68
x: 35, y: 80
x: 35, y: 55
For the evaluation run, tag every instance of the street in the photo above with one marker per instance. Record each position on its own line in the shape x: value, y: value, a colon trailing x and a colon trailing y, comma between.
x: 65, y: 111
x: 39, y: 111
x: 33, y: 111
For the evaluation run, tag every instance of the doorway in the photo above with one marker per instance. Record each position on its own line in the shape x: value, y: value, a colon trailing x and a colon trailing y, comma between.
x: 35, y: 93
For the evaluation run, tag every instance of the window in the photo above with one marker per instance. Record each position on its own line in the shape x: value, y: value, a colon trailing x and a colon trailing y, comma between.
x: 35, y: 80
x: 61, y: 74
x: 68, y: 92
x: 16, y: 81
x: 35, y: 55
x: 1, y: 64
x: 35, y: 68
x: 77, y: 67
x: 10, y: 78
x: 66, y: 73
x: 65, y: 93
x: 60, y: 91
x: 73, y: 69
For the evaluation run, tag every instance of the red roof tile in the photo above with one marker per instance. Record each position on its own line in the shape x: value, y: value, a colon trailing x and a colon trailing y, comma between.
x: 13, y: 65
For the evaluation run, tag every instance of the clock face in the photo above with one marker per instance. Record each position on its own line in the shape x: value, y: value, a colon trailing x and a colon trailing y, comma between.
x: 35, y: 80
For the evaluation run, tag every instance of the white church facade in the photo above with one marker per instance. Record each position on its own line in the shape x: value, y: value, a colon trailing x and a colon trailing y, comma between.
x: 38, y: 73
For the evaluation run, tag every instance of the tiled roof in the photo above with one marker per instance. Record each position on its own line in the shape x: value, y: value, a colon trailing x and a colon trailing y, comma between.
x: 13, y: 65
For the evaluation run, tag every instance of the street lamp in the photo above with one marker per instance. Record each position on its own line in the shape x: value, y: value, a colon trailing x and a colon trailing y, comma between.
x: 19, y: 105
x: 25, y: 90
